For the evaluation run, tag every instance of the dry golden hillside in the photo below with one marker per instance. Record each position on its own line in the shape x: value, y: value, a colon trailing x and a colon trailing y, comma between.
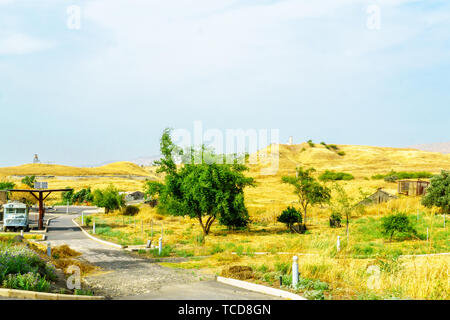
x: 271, y: 196
x: 361, y: 161
x: 113, y: 169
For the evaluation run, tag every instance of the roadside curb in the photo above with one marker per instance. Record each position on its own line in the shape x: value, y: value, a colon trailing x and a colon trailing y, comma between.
x: 260, y: 288
x: 23, y: 294
x: 115, y: 245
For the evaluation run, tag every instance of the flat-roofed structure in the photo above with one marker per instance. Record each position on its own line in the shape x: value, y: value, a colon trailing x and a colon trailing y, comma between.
x: 412, y: 187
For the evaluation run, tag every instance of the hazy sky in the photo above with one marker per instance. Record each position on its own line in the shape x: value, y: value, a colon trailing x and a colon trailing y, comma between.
x: 314, y: 69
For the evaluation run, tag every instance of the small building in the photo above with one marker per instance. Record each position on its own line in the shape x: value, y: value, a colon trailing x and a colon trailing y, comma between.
x: 412, y: 187
x: 378, y: 197
x: 134, y: 196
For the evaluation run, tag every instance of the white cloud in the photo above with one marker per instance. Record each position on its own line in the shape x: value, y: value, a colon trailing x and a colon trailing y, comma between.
x: 20, y: 43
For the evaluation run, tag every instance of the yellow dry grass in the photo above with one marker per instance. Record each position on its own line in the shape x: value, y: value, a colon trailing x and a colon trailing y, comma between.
x: 113, y: 169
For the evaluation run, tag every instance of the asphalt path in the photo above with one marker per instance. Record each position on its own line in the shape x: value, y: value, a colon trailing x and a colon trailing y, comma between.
x: 128, y: 276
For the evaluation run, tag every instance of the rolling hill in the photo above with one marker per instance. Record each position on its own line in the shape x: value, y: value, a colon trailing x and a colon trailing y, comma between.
x: 112, y: 169
x: 443, y: 147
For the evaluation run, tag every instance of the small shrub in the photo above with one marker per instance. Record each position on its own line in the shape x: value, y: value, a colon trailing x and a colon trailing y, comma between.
x: 392, y: 178
x: 283, y: 267
x: 335, y: 220
x: 333, y: 146
x: 397, y: 223
x: 311, y: 144
x: 88, y: 220
x: 29, y: 281
x: 216, y: 249
x: 199, y: 239
x: 341, y: 153
x: 130, y: 210
x: 83, y: 292
x: 290, y: 216
x: 262, y: 268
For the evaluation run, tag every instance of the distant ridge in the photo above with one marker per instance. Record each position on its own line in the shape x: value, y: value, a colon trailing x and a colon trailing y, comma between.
x: 442, y: 147
x: 146, y: 161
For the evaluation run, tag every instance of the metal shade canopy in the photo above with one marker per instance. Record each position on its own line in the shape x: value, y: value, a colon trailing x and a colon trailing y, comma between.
x: 40, y: 197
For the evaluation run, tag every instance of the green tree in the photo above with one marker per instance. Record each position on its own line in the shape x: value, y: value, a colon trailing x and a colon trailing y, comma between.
x: 152, y: 188
x: 29, y: 181
x: 397, y: 222
x: 291, y: 216
x: 109, y: 198
x: 308, y: 190
x: 438, y: 193
x: 5, y: 185
x: 67, y: 196
x: 342, y: 203
x: 201, y: 190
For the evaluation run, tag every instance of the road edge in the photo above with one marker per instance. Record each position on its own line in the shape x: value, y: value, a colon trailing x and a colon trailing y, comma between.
x: 115, y: 245
x: 260, y: 288
x: 23, y: 294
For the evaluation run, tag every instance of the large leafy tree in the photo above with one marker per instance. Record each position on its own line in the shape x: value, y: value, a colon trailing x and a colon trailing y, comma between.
x: 438, y: 193
x: 109, y: 198
x: 204, y: 191
x: 308, y: 190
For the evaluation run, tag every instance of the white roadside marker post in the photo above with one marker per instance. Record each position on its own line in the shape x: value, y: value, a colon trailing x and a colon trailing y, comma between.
x: 338, y: 244
x: 160, y: 246
x: 82, y: 218
x: 49, y: 249
x: 149, y: 243
x: 67, y: 209
x: 93, y: 228
x: 21, y: 233
x: 295, y: 272
x: 427, y: 234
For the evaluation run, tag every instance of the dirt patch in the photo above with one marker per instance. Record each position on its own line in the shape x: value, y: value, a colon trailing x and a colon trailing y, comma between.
x: 238, y: 272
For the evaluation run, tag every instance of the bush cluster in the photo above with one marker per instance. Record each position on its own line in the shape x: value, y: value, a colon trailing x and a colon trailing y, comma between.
x: 334, y: 176
x: 394, y: 176
x: 130, y: 211
x: 21, y: 268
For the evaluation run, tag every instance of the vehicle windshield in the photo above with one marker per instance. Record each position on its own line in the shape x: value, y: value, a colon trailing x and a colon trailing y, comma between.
x: 20, y: 211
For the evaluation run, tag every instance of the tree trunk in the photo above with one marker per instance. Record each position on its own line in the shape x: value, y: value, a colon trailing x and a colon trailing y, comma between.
x: 201, y: 223
x: 207, y: 226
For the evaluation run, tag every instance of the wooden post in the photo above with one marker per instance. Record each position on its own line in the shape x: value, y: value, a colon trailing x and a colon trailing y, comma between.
x: 41, y: 211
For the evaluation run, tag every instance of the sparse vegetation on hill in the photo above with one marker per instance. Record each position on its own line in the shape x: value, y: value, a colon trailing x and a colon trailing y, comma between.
x: 335, y: 176
x: 394, y: 176
x: 117, y: 168
x: 5, y: 185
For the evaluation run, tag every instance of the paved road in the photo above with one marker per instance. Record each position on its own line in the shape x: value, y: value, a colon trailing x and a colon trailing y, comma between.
x: 126, y: 276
